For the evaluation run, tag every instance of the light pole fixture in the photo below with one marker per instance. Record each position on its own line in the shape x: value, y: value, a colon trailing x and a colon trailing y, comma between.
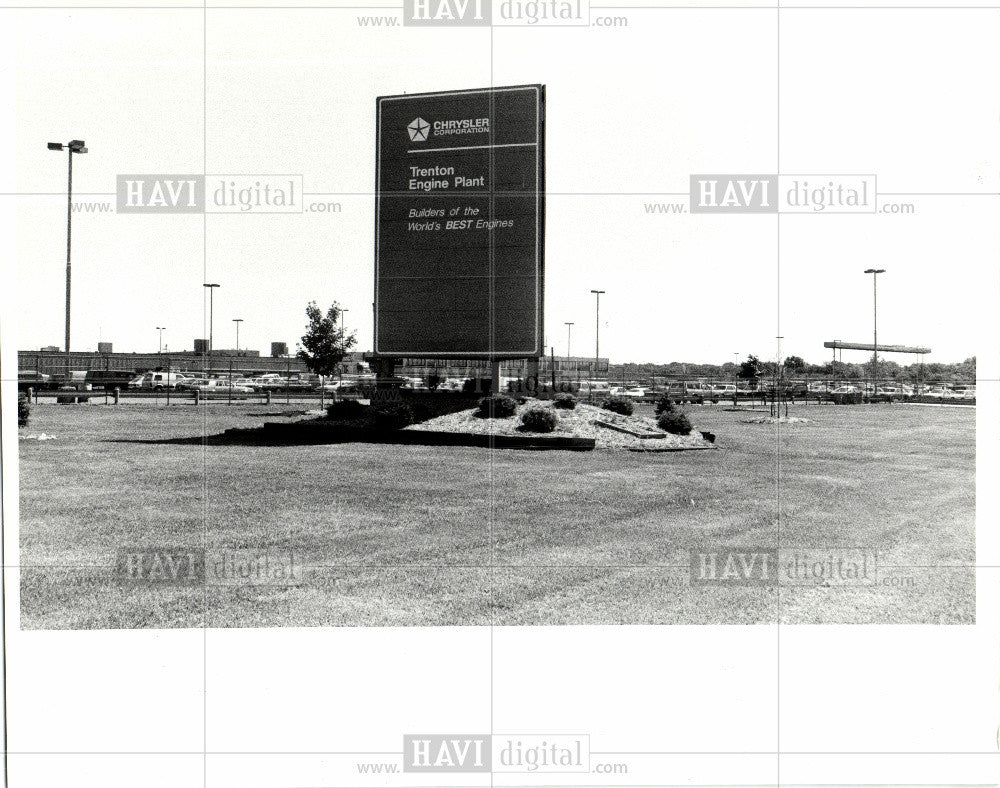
x: 237, y: 321
x: 211, y: 289
x: 875, y: 272
x: 569, y: 338
x: 597, y: 329
x: 71, y: 147
x: 161, y: 329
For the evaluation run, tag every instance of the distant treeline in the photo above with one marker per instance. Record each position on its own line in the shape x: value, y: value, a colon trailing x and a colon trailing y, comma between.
x: 962, y: 372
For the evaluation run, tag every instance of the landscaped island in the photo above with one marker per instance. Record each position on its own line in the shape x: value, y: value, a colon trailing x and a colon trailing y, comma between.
x: 608, y: 429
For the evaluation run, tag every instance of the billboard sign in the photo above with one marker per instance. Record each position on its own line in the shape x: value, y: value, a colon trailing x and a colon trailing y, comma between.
x: 459, y: 223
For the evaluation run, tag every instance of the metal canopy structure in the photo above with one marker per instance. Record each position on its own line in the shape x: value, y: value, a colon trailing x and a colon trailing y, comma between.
x: 837, y: 344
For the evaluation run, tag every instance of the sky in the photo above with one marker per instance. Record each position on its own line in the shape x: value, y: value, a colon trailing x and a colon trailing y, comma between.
x: 631, y: 114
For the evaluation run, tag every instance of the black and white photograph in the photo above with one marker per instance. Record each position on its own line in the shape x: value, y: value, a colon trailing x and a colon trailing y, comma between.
x: 500, y: 393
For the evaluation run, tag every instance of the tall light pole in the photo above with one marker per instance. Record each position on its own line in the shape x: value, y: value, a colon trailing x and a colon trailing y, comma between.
x: 73, y: 146
x: 597, y: 330
x: 875, y: 272
x: 211, y: 289
x: 237, y: 321
x: 569, y: 337
x: 161, y: 329
x: 779, y: 386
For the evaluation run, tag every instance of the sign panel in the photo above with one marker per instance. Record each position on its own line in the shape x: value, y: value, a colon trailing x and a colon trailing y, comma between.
x: 459, y: 223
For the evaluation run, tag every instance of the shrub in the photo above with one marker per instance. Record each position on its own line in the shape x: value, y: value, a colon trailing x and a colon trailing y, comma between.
x: 346, y: 410
x: 496, y: 406
x: 433, y: 381
x: 565, y: 401
x: 664, y: 404
x: 618, y: 405
x: 23, y: 409
x: 539, y: 419
x: 393, y: 417
x: 674, y: 422
x: 421, y: 411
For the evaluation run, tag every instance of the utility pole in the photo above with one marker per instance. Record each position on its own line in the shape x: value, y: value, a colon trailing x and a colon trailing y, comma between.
x: 211, y: 290
x: 875, y: 272
x: 597, y: 329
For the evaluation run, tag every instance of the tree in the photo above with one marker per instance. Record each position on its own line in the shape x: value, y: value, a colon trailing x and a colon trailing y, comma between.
x: 750, y: 369
x: 324, y: 344
x: 795, y: 364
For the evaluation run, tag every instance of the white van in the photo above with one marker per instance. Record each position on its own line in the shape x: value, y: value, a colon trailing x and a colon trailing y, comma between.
x: 157, y: 381
x: 727, y: 390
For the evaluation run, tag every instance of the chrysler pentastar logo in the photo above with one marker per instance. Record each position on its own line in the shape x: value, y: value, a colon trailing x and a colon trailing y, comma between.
x: 418, y: 130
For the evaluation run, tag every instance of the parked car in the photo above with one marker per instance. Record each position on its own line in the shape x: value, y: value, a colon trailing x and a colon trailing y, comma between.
x: 295, y: 382
x: 631, y: 393
x: 682, y: 391
x: 157, y: 381
x: 796, y: 388
x: 597, y: 390
x: 884, y: 394
x: 190, y: 384
x: 341, y: 387
x: 222, y: 387
x: 846, y: 395
x: 418, y: 383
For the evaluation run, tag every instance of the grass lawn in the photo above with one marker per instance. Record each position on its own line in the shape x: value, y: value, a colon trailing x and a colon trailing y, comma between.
x: 415, y: 535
